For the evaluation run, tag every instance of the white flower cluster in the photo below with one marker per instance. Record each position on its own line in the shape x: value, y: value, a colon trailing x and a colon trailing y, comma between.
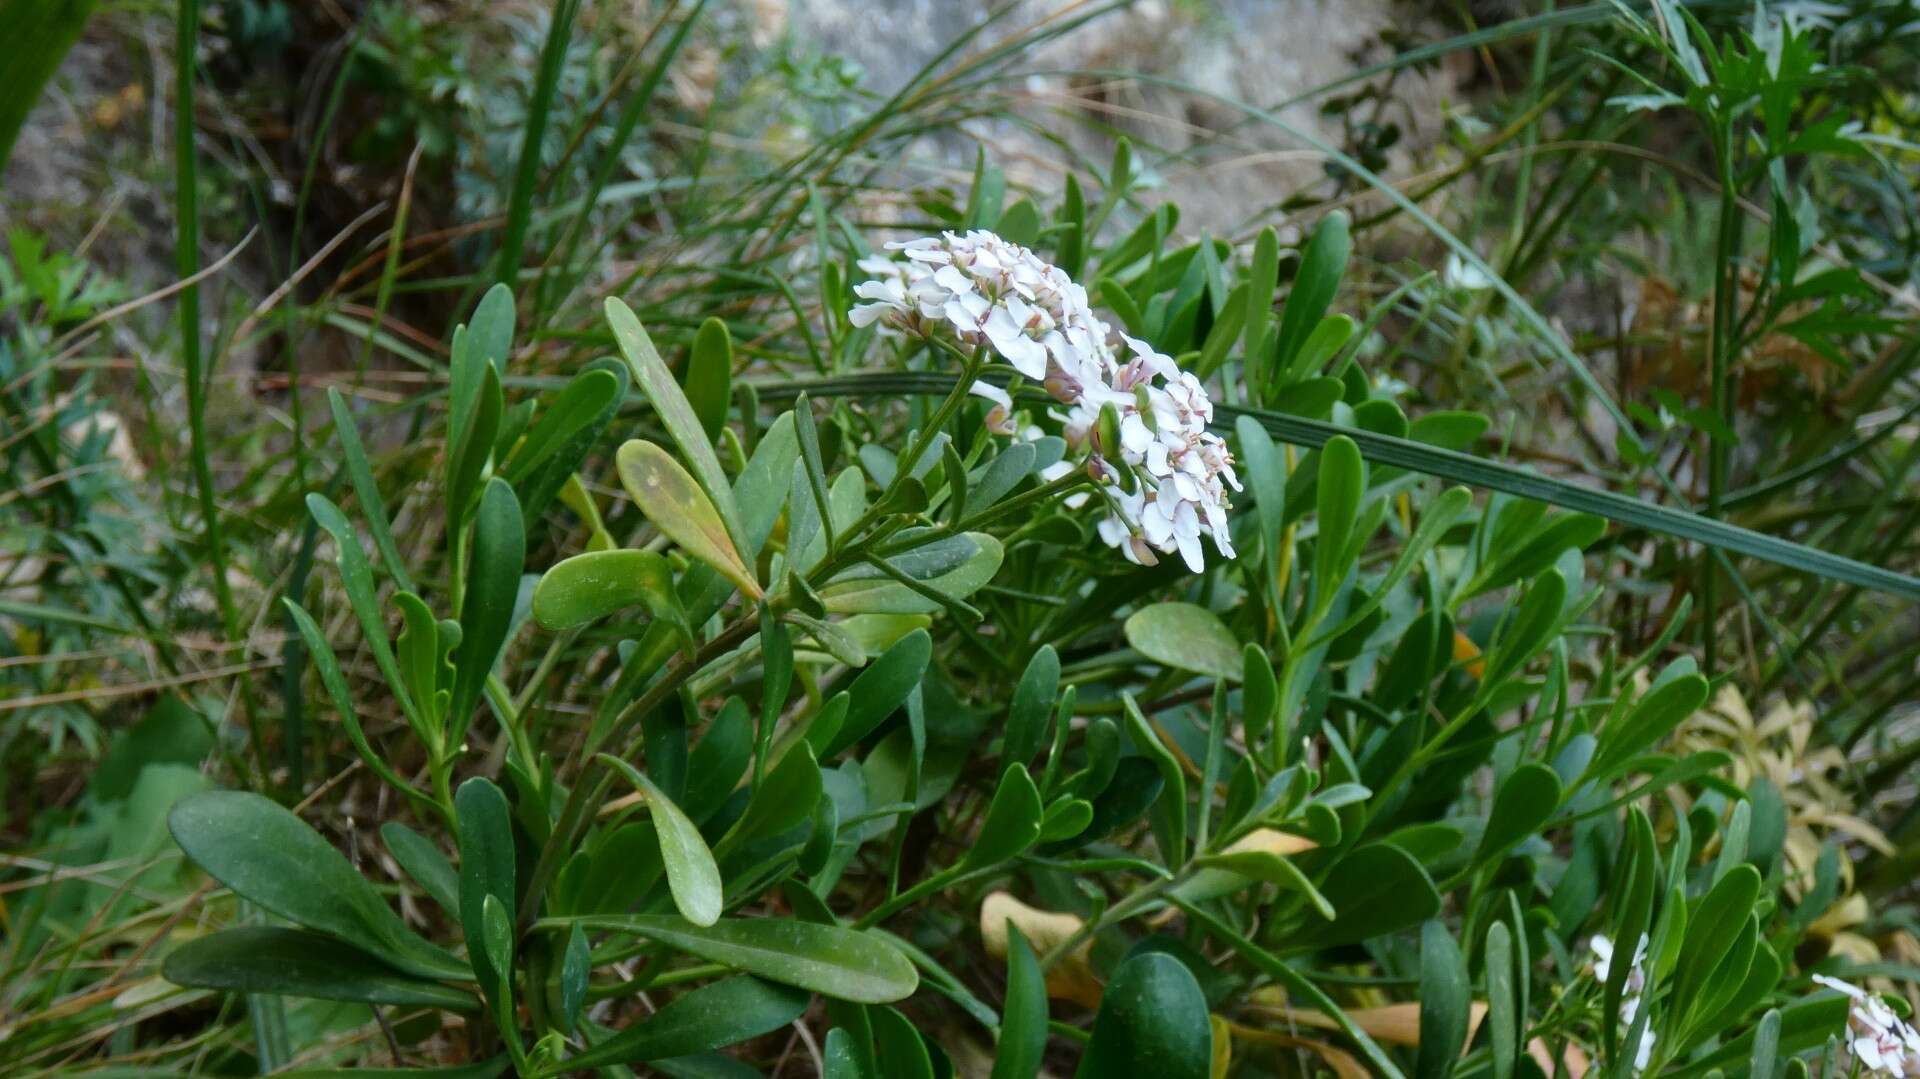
x: 992, y: 294
x: 1880, y: 1040
x: 1632, y: 994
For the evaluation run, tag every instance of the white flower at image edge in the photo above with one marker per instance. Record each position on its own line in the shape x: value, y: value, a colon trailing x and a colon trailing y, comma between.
x: 1880, y: 1040
x: 1631, y: 993
x: 988, y: 293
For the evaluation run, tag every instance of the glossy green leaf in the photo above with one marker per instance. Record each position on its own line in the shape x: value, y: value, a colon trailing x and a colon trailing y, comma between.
x: 828, y: 959
x: 1526, y: 801
x: 486, y: 867
x: 554, y: 448
x: 297, y: 963
x: 1012, y: 824
x: 493, y: 588
x: 714, y: 1016
x: 576, y: 973
x: 1662, y: 708
x: 882, y: 687
x: 1023, y: 1022
x: 1713, y: 927
x: 1170, y: 823
x: 472, y: 448
x: 266, y: 854
x: 677, y: 415
x: 1260, y: 865
x: 1503, y: 1021
x: 1343, y: 478
x: 784, y: 798
x: 692, y: 876
x: 902, y: 1051
x: 887, y: 596
x: 1152, y: 1022
x: 1187, y: 637
x: 1032, y: 707
x: 1322, y: 264
x: 709, y: 385
x: 1377, y: 889
x: 677, y: 506
x: 588, y: 587
x: 1444, y: 1003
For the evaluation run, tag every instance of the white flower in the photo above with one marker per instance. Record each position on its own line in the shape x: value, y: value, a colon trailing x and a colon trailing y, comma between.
x: 1877, y: 1038
x: 988, y: 293
x: 1631, y: 997
x: 991, y: 294
x: 1602, y: 949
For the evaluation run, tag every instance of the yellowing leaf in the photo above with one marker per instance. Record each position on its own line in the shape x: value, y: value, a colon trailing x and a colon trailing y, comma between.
x: 676, y: 505
x: 1072, y: 978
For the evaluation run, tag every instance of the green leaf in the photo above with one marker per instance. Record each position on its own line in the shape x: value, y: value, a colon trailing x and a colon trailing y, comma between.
x: 1343, y: 478
x: 903, y: 1052
x: 1187, y: 637
x: 710, y: 376
x: 1012, y: 824
x: 266, y: 854
x: 882, y: 687
x: 576, y: 973
x: 1677, y: 694
x: 1713, y: 927
x: 1444, y: 1003
x: 486, y: 869
x: 1528, y: 799
x: 1378, y: 889
x: 468, y: 456
x: 676, y: 505
x: 1502, y: 1021
x: 784, y: 798
x: 830, y: 960
x: 588, y: 587
x: 1023, y: 1023
x: 560, y: 440
x: 1170, y: 827
x: 297, y: 963
x: 366, y: 490
x: 1152, y: 1022
x: 493, y: 588
x: 887, y: 596
x: 1032, y: 707
x: 1322, y: 265
x: 714, y: 1016
x: 676, y: 414
x: 692, y: 875
x: 423, y: 861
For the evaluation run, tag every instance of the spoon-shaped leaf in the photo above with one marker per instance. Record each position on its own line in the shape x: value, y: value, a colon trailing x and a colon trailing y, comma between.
x: 692, y: 876
x: 266, y: 854
x: 681, y: 510
x: 1185, y: 636
x: 590, y: 586
x: 1013, y: 820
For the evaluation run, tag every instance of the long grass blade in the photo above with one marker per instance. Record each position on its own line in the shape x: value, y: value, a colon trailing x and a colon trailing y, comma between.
x: 1454, y: 466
